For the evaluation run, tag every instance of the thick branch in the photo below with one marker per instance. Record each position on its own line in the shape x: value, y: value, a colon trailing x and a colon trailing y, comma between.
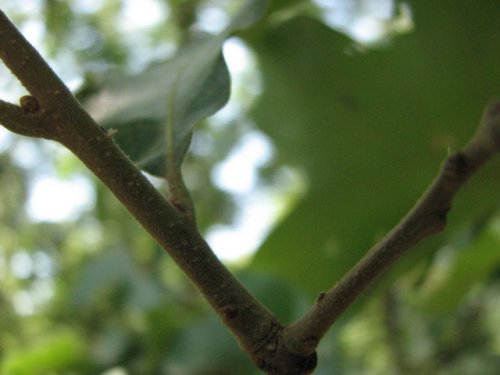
x: 427, y: 217
x: 52, y: 112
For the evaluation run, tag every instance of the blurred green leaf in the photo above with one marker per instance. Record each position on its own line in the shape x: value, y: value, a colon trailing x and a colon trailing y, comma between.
x: 58, y: 18
x: 249, y: 13
x: 100, y: 277
x: 136, y: 106
x: 471, y: 266
x: 55, y: 353
x: 182, y: 91
x: 370, y: 130
x: 115, y: 274
x: 278, y: 296
x: 110, y: 344
x: 221, y: 355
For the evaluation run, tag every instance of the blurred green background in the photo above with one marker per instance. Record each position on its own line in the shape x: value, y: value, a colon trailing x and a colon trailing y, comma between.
x: 340, y: 115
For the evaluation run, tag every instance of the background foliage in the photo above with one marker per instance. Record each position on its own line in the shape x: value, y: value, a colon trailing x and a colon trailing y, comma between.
x: 355, y: 128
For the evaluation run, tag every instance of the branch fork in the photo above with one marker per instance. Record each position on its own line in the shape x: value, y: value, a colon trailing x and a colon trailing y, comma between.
x: 51, y: 112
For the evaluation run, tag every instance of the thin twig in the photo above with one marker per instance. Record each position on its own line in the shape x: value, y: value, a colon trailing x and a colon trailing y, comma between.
x: 427, y: 217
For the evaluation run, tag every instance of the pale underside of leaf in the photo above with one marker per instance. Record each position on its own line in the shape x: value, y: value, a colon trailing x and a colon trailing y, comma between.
x: 179, y: 93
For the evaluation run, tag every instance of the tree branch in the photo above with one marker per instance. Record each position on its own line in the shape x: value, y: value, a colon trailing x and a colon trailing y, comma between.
x: 427, y: 217
x: 52, y: 112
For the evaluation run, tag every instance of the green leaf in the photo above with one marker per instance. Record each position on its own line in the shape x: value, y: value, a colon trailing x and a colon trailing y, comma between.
x: 197, y: 81
x: 182, y: 91
x: 371, y: 130
x: 279, y: 297
x: 250, y: 12
x: 58, y: 352
x: 217, y: 349
x: 114, y: 274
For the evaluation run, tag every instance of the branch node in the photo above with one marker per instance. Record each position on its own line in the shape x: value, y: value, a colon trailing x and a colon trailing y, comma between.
x: 229, y: 312
x: 184, y: 205
x: 311, y: 342
x: 457, y: 165
x: 493, y: 109
x: 492, y: 119
x: 111, y: 132
x: 441, y: 220
x: 320, y: 296
x: 29, y: 104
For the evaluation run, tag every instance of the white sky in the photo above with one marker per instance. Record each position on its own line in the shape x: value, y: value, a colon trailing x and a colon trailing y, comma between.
x: 55, y: 199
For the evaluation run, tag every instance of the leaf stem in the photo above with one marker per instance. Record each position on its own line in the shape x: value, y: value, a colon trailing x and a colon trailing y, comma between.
x: 179, y: 193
